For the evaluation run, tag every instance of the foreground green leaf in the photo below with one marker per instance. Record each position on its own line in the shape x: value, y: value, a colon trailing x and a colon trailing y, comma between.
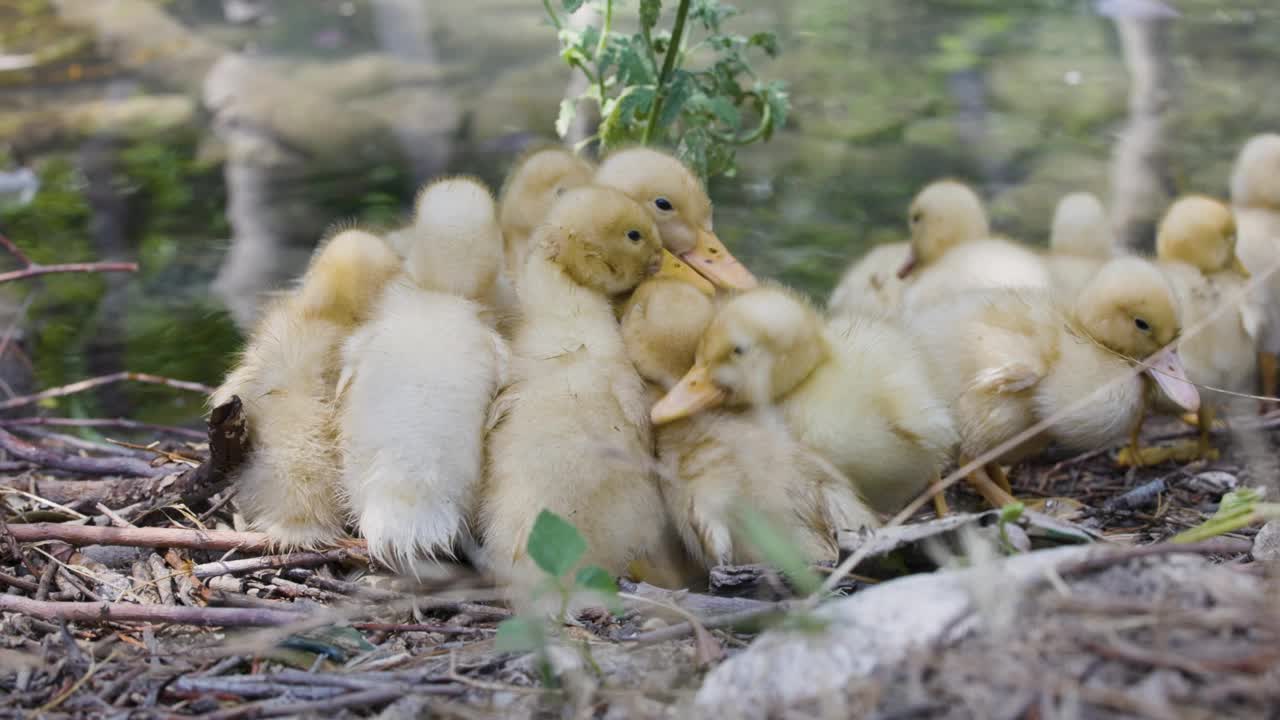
x: 778, y: 550
x: 554, y: 544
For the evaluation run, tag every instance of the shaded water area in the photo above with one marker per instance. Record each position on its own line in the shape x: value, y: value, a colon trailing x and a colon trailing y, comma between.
x: 214, y: 143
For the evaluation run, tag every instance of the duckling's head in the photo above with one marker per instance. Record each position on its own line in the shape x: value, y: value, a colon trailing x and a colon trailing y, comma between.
x: 945, y: 214
x: 346, y: 276
x: 602, y: 239
x: 661, y: 324
x: 457, y: 244
x: 1130, y: 309
x: 1256, y: 179
x: 535, y: 181
x: 1200, y: 232
x: 678, y: 203
x: 1080, y: 227
x: 759, y: 347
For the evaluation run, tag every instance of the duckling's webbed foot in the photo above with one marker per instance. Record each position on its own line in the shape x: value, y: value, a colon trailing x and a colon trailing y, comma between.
x: 981, y: 481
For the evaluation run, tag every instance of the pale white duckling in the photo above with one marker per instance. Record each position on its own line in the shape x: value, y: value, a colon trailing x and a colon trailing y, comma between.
x: 679, y: 204
x: 719, y: 461
x: 872, y: 284
x: 1080, y: 241
x: 285, y: 377
x: 856, y: 392
x: 571, y: 432
x: 1255, y: 195
x: 1195, y: 246
x: 430, y: 209
x: 532, y: 186
x: 418, y: 380
x: 952, y: 249
x: 1007, y: 359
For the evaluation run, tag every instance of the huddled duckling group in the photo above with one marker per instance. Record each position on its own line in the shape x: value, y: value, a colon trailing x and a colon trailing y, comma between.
x: 586, y: 344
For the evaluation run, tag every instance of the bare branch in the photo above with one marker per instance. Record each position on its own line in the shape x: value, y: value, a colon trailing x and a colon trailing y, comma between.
x: 23, y: 450
x: 90, y: 383
x: 142, y: 537
x: 122, y: 423
x: 104, y: 612
x: 38, y: 270
x: 267, y: 562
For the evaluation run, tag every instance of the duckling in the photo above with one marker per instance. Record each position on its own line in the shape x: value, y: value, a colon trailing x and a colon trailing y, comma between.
x: 534, y: 183
x: 1195, y: 246
x: 855, y: 391
x: 1080, y: 242
x: 871, y: 284
x: 952, y: 250
x: 1007, y: 359
x: 570, y: 432
x: 1255, y: 194
x: 417, y: 381
x: 678, y: 203
x: 285, y: 377
x: 716, y: 462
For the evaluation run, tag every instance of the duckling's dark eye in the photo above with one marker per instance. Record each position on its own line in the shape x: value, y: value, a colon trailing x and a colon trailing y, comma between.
x: 1141, y: 324
x: 739, y: 350
x: 663, y: 204
x: 916, y: 217
x: 634, y: 235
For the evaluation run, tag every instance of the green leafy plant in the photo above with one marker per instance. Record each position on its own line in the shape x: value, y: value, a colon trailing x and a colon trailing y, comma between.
x: 557, y: 548
x: 648, y: 90
x: 1238, y: 509
x: 1010, y: 513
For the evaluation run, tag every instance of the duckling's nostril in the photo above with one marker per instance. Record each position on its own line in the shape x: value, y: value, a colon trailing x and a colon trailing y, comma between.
x: 713, y: 251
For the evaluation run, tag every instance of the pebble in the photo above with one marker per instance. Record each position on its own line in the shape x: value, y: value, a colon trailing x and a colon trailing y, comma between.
x: 1266, y: 544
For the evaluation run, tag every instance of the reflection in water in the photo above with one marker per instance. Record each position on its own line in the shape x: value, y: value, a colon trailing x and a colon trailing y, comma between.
x: 327, y: 111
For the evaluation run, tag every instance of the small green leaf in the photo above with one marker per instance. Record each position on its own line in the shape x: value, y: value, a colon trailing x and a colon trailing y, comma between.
x: 650, y: 10
x: 678, y: 93
x: 597, y: 579
x: 1237, y: 509
x: 590, y: 40
x: 554, y: 544
x: 779, y: 550
x: 766, y: 41
x: 519, y: 634
x: 568, y: 109
x: 633, y: 68
x: 571, y: 6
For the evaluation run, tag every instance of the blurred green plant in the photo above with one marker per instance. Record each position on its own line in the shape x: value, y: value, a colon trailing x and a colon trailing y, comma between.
x: 647, y: 90
x: 556, y: 547
x: 1238, y: 509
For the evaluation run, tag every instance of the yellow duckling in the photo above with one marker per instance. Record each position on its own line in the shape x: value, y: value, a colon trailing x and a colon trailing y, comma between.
x: 855, y: 391
x: 1080, y: 242
x: 417, y: 382
x: 715, y: 462
x: 1008, y: 359
x: 532, y: 186
x: 952, y: 250
x: 286, y: 377
x: 872, y: 284
x: 571, y: 432
x: 1195, y: 245
x: 678, y: 203
x: 1255, y: 193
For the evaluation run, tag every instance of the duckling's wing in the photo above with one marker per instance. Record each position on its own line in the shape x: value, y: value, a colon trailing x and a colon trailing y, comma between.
x: 1011, y: 377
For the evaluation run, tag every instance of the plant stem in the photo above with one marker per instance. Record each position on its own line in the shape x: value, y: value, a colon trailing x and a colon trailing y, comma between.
x: 668, y: 66
x: 555, y: 20
x: 604, y: 39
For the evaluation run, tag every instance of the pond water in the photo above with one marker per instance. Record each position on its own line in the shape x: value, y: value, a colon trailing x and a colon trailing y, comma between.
x: 213, y: 143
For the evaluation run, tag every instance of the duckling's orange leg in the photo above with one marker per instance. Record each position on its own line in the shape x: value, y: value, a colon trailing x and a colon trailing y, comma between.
x: 1269, y: 369
x: 1133, y: 455
x: 1000, y: 477
x: 986, y: 487
x: 1204, y: 449
x: 940, y: 507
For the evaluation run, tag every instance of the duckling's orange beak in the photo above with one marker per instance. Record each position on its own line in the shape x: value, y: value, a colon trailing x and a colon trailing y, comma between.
x: 908, y: 265
x: 672, y: 269
x: 712, y: 260
x: 1167, y: 370
x: 1239, y: 266
x: 695, y: 392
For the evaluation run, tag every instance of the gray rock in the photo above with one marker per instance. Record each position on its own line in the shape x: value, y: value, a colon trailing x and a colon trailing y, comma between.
x: 1266, y: 544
